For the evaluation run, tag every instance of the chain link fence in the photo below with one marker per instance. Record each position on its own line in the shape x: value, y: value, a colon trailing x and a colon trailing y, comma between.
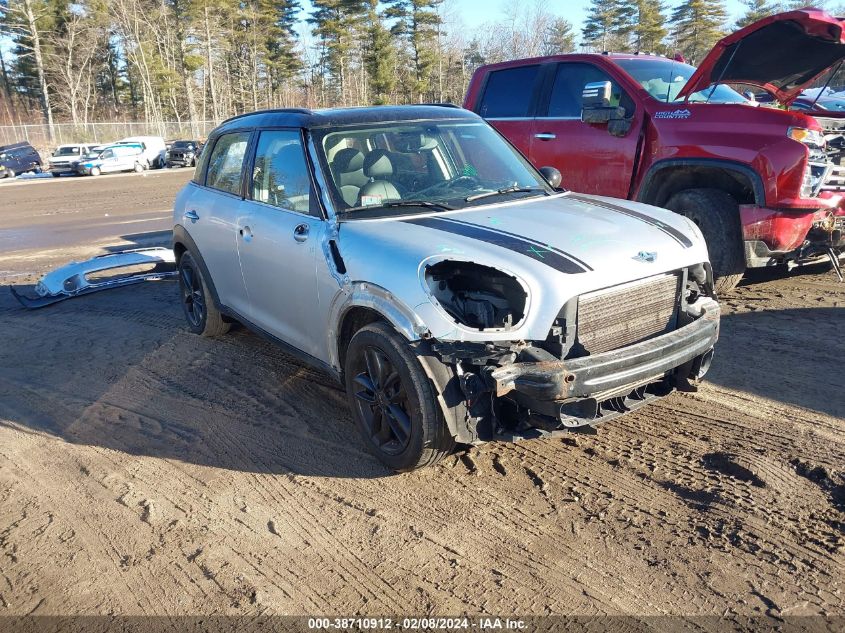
x: 39, y: 137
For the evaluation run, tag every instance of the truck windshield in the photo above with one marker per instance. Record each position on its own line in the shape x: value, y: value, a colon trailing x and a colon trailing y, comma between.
x: 67, y: 151
x: 413, y: 167
x: 664, y: 78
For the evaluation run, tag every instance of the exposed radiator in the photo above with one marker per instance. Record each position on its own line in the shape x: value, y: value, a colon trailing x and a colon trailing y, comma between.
x: 623, y: 315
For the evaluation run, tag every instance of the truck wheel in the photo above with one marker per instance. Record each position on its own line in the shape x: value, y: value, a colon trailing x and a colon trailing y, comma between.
x: 717, y: 215
x: 393, y: 400
x: 200, y: 310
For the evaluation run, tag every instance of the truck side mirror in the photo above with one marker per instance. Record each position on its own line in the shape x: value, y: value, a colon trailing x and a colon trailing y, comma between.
x: 595, y: 108
x: 552, y: 176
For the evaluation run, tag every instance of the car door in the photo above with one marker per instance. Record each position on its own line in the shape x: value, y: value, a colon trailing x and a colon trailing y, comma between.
x: 279, y: 240
x: 508, y: 102
x: 211, y: 214
x: 107, y: 160
x: 589, y: 158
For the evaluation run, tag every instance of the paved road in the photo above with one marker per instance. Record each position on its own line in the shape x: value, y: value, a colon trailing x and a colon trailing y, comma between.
x: 42, y: 221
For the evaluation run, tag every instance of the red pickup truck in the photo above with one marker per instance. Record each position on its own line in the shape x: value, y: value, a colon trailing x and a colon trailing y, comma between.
x: 761, y: 183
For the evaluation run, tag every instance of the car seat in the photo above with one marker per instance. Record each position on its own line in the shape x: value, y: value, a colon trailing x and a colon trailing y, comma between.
x: 378, y: 167
x: 348, y: 171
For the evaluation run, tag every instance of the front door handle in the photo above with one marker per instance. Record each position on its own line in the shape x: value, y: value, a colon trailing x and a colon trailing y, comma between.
x: 192, y: 215
x: 246, y: 233
x: 300, y: 233
x: 545, y: 136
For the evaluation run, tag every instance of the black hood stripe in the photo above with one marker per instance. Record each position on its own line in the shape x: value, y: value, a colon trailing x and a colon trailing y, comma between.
x: 671, y: 231
x: 578, y: 261
x: 534, y: 250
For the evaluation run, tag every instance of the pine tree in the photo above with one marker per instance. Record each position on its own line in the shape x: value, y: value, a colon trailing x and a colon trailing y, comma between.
x: 333, y: 22
x: 756, y: 10
x: 650, y: 27
x: 609, y: 24
x: 698, y: 24
x: 419, y: 22
x: 379, y: 56
x: 559, y: 38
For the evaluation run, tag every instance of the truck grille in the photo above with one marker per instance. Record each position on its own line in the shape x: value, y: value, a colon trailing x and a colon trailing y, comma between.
x: 615, y: 317
x: 835, y: 179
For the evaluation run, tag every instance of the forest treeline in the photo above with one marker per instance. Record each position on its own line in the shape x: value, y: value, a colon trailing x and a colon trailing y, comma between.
x: 187, y: 60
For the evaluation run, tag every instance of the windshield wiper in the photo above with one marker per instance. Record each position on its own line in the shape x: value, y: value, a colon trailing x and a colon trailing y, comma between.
x: 403, y: 203
x: 511, y: 189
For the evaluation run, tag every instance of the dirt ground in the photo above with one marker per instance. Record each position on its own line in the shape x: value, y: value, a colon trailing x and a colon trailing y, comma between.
x: 144, y: 470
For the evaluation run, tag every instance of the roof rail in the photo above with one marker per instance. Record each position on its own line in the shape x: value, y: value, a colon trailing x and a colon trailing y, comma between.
x: 445, y: 104
x: 271, y: 111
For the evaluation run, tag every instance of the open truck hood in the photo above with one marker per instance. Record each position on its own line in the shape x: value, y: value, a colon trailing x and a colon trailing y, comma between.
x: 781, y: 54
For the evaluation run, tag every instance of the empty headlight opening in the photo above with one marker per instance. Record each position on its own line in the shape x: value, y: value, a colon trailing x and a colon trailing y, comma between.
x: 477, y: 296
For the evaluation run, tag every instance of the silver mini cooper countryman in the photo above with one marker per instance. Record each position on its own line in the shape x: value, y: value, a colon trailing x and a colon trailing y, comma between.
x: 458, y: 293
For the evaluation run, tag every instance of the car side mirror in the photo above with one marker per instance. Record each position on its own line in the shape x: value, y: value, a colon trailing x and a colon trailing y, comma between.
x: 552, y: 176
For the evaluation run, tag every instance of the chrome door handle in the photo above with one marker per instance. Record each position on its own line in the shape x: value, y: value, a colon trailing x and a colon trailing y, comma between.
x: 193, y: 216
x: 246, y: 233
x: 545, y: 136
x: 300, y: 233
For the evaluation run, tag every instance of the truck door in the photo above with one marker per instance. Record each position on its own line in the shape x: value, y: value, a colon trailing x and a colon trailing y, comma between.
x: 508, y: 101
x: 590, y: 159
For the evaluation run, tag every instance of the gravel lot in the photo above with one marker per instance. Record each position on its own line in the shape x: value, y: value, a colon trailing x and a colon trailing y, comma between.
x: 144, y: 470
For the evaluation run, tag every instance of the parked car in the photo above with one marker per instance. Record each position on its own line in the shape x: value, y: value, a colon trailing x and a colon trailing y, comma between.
x: 413, y: 254
x: 183, y: 154
x: 112, y: 158
x: 154, y: 149
x: 64, y: 156
x: 756, y: 180
x: 18, y: 158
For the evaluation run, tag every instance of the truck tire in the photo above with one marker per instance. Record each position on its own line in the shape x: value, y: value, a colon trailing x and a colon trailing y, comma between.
x: 393, y: 401
x: 716, y: 213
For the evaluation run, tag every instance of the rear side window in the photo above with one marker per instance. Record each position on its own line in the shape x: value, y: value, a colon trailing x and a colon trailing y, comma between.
x: 226, y: 162
x: 570, y: 80
x: 280, y: 177
x: 508, y: 92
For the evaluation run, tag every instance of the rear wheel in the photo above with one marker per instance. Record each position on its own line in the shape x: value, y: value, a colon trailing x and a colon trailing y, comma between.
x: 138, y: 168
x: 393, y: 400
x: 716, y: 213
x: 197, y: 303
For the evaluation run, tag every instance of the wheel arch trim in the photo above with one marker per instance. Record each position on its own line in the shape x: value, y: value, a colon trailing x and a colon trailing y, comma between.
x: 650, y: 184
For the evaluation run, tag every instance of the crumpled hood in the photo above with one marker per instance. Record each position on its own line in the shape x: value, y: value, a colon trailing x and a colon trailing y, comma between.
x: 782, y: 54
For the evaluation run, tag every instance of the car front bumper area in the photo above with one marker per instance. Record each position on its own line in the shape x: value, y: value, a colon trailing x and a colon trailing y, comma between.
x: 591, y: 389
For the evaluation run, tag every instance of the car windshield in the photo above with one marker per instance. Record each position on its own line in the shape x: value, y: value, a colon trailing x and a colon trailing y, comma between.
x: 183, y: 145
x: 664, y: 78
x: 67, y: 151
x: 411, y: 166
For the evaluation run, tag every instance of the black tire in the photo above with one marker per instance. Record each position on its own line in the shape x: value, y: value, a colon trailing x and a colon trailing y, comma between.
x: 393, y: 401
x: 197, y: 302
x: 55, y: 175
x: 717, y: 215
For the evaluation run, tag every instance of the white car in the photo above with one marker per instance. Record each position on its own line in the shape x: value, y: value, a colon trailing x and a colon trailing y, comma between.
x: 154, y: 149
x: 454, y: 290
x: 62, y: 159
x: 111, y: 159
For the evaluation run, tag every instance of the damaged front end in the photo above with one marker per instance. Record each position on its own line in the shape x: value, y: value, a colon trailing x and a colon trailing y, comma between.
x: 80, y: 278
x: 608, y: 352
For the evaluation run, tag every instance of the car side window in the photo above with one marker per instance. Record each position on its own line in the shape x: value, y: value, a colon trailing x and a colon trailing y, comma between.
x: 508, y: 93
x: 570, y: 79
x: 226, y: 162
x: 107, y: 154
x: 280, y: 176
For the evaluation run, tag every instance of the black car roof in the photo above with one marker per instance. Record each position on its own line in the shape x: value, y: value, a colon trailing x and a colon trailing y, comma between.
x: 19, y: 145
x: 305, y: 118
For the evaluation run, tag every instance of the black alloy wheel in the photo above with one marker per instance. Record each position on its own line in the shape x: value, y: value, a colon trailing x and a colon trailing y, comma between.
x: 193, y: 298
x: 382, y: 402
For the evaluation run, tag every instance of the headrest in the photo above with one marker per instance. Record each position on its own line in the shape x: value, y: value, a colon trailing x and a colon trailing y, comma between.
x: 377, y: 164
x: 348, y: 159
x: 287, y: 157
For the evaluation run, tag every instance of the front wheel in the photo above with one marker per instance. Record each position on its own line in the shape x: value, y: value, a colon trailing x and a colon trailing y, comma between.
x: 716, y: 213
x: 138, y: 168
x: 10, y: 173
x: 197, y: 302
x: 393, y: 400
x: 95, y: 171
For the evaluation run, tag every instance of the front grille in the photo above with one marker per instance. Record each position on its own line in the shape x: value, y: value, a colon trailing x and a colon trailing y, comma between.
x: 615, y: 317
x: 835, y: 179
